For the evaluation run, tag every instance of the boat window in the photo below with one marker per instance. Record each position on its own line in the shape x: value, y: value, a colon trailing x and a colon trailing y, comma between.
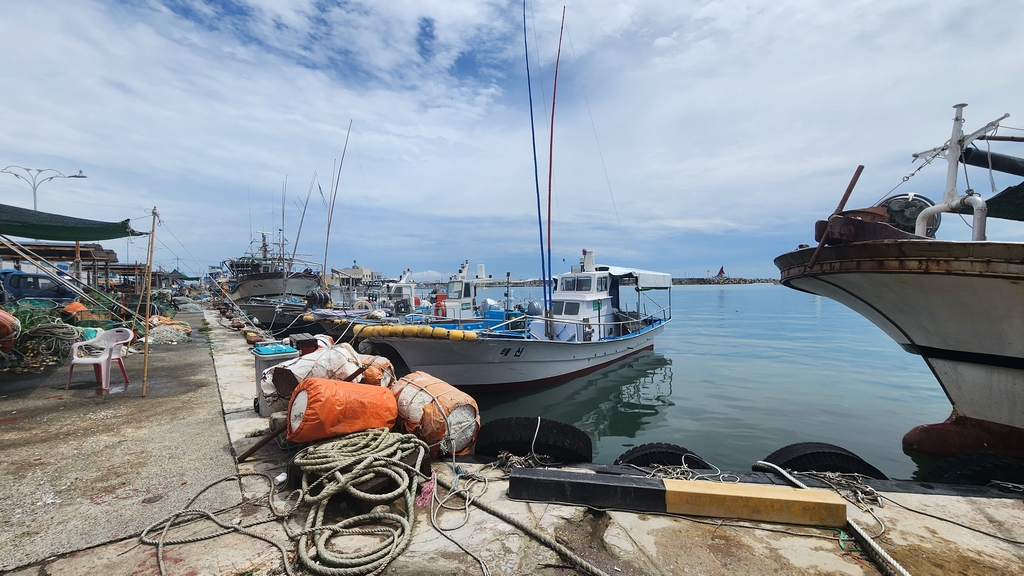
x: 556, y: 307
x: 467, y: 291
x: 584, y: 283
x: 455, y: 290
x: 569, y: 284
x: 602, y: 284
x: 572, y: 308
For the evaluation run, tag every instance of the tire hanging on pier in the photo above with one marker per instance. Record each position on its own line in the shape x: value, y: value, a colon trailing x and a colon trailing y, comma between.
x: 822, y: 457
x: 662, y: 454
x: 560, y: 441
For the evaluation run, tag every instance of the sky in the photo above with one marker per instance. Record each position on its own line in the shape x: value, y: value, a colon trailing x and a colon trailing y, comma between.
x: 688, y: 135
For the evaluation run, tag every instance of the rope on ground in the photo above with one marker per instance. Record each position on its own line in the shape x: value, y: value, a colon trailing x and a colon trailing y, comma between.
x: 882, y: 559
x: 189, y: 514
x: 341, y: 465
x: 567, y: 554
x: 684, y: 472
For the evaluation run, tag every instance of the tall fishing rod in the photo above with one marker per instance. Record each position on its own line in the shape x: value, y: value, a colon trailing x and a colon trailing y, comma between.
x: 551, y: 151
x: 330, y: 207
x: 536, y: 168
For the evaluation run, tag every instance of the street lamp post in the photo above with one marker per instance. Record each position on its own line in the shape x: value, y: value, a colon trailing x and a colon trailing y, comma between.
x: 34, y: 181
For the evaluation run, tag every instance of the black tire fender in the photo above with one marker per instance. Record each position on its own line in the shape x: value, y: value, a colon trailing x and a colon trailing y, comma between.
x: 560, y: 441
x: 822, y: 457
x: 664, y: 454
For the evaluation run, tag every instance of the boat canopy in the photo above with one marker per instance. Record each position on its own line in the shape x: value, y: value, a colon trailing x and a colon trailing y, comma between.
x: 645, y: 279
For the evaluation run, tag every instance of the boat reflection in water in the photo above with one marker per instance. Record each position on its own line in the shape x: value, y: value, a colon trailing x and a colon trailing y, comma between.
x: 618, y: 401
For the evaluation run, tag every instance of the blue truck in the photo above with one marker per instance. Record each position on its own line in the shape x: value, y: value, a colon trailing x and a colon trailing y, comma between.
x: 15, y: 285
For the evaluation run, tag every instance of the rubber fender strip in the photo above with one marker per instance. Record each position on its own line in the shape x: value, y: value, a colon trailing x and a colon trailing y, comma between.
x: 762, y: 503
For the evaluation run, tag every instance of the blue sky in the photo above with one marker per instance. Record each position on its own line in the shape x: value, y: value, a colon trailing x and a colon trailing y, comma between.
x: 688, y: 135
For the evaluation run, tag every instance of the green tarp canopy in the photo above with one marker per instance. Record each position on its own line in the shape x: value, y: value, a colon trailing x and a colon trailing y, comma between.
x: 25, y: 223
x: 1008, y: 204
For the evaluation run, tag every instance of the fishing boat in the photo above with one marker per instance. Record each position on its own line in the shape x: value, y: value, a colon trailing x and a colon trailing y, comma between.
x: 588, y: 327
x: 263, y: 284
x: 957, y: 304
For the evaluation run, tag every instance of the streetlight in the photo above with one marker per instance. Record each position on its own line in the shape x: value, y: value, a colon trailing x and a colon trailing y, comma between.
x: 33, y: 179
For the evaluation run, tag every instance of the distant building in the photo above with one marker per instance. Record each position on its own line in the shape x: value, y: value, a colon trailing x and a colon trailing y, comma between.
x: 354, y: 276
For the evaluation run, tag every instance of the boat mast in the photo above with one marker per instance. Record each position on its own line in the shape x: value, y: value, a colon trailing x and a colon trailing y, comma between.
x: 536, y: 169
x: 280, y: 254
x: 551, y: 152
x: 330, y: 208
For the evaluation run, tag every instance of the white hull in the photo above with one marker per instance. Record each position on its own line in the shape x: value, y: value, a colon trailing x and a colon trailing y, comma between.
x: 957, y: 304
x: 496, y: 364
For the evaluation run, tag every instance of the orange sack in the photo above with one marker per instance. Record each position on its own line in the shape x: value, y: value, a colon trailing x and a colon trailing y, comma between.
x: 320, y: 408
x: 10, y: 329
x: 379, y: 371
x: 433, y: 409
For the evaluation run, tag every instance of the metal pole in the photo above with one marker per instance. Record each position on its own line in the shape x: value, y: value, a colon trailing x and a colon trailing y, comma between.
x: 33, y: 179
x: 149, y: 294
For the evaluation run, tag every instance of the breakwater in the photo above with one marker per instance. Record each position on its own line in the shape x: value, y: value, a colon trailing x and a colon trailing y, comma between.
x: 701, y: 281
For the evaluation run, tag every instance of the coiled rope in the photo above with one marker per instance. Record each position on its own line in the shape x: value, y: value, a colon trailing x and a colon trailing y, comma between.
x: 341, y: 465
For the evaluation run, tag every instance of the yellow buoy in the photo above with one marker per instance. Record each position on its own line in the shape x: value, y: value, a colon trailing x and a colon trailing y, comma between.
x: 307, y: 317
x: 410, y: 331
x: 381, y: 330
x: 424, y: 331
x: 469, y: 336
x: 357, y: 328
x: 440, y: 333
x: 337, y: 321
x: 455, y: 335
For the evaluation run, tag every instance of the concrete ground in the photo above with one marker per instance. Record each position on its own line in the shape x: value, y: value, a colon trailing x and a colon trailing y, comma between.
x: 86, y: 472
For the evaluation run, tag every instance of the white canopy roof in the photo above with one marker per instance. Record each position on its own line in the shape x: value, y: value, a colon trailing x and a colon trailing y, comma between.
x: 645, y: 279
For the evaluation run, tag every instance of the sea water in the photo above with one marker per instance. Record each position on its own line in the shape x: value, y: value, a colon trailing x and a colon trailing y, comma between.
x: 741, y: 371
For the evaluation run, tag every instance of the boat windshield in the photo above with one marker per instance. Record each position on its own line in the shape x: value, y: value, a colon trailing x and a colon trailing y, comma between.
x: 577, y: 284
x: 454, y: 290
x: 560, y: 307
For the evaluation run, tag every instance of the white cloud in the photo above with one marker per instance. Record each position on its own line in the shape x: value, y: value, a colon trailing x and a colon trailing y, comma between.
x: 718, y: 120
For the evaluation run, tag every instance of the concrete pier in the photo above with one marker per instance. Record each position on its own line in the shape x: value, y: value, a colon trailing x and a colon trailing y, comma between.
x: 84, y: 473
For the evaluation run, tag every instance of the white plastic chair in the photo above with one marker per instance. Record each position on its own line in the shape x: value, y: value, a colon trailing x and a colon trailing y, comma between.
x: 111, y: 341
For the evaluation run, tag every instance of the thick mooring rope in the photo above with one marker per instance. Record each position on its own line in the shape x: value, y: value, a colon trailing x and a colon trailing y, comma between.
x: 339, y: 466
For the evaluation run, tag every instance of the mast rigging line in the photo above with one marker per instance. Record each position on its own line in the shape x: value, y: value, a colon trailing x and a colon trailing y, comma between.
x: 536, y: 168
x: 551, y: 149
x: 593, y: 127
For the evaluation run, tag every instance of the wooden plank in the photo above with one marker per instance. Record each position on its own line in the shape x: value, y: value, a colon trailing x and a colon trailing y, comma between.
x: 782, y: 504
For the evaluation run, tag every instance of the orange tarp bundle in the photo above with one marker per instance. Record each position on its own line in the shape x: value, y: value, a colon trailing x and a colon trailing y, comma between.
x: 320, y: 408
x: 433, y: 409
x: 75, y: 307
x: 156, y: 320
x: 379, y: 371
x: 10, y: 328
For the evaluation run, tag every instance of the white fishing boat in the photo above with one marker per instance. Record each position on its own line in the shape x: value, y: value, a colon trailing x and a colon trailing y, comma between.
x: 588, y: 327
x: 957, y: 304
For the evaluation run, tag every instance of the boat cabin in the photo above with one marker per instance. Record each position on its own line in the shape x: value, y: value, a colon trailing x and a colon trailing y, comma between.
x: 458, y: 301
x: 586, y: 300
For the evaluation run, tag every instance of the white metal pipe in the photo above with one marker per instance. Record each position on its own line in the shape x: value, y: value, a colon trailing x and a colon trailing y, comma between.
x: 953, y: 154
x: 921, y: 226
x: 980, y: 216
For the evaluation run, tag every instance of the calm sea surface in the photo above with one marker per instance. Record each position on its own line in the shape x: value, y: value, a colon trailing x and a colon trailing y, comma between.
x: 743, y: 370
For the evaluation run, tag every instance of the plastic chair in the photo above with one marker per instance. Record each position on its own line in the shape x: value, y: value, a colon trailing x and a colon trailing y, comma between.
x: 112, y: 341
